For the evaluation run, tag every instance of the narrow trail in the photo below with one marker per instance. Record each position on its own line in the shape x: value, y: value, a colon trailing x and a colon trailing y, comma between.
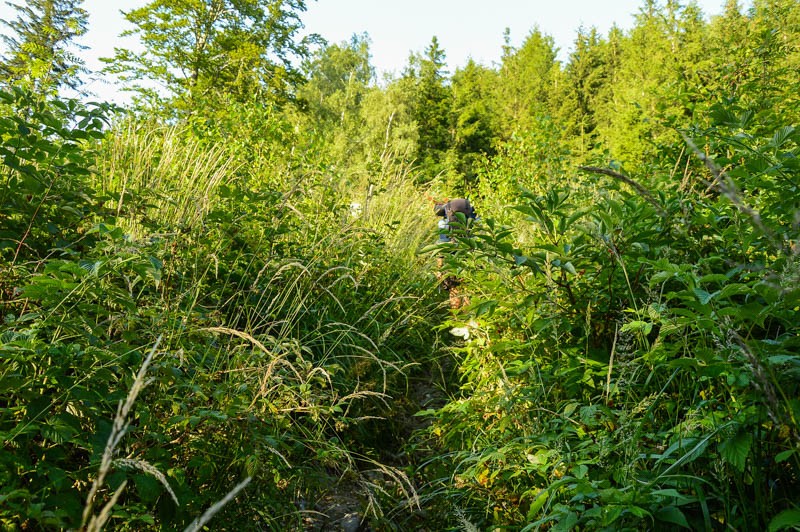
x: 348, y: 505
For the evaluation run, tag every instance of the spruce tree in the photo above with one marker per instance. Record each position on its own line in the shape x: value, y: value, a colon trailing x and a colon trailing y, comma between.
x: 475, y: 121
x: 526, y: 82
x: 431, y: 108
x: 579, y: 89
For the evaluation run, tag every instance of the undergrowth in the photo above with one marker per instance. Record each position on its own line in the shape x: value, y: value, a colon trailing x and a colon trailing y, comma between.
x: 632, y: 360
x: 185, y: 323
x: 288, y: 326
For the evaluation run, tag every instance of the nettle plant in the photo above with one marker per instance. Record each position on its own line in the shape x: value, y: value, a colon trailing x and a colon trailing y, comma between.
x: 633, y: 358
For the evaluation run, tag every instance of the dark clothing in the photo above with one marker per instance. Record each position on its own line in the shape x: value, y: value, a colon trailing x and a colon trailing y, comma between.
x: 458, y: 205
x: 450, y: 219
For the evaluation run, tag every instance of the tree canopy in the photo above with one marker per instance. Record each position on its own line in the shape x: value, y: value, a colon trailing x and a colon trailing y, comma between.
x: 199, y: 50
x: 40, y: 48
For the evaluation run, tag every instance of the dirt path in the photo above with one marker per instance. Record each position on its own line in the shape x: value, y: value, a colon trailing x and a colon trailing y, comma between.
x: 351, y: 504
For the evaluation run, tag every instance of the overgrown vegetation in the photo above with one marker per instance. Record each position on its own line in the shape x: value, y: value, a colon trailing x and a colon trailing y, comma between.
x: 229, y: 292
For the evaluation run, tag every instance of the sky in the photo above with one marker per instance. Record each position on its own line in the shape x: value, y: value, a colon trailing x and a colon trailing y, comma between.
x: 465, y: 28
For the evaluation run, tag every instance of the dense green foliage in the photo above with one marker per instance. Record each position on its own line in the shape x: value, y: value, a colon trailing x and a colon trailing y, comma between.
x: 237, y: 292
x: 204, y: 52
x: 40, y: 57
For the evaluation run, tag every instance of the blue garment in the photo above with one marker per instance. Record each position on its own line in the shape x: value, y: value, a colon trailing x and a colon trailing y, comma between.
x: 444, y: 228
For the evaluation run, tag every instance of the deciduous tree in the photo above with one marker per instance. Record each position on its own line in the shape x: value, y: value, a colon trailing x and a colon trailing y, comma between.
x: 40, y: 48
x: 198, y: 50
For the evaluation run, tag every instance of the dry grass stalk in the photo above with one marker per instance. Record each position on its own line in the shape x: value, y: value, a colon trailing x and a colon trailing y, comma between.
x: 643, y: 192
x: 118, y: 430
x: 201, y: 521
x: 150, y: 469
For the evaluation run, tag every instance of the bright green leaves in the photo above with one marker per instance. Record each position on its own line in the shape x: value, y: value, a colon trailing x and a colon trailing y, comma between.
x: 47, y: 151
x: 113, y: 275
x: 39, y: 54
x: 736, y: 449
x: 781, y: 136
x: 784, y: 520
x: 551, y: 212
x: 657, y: 330
x: 206, y: 52
x: 636, y: 326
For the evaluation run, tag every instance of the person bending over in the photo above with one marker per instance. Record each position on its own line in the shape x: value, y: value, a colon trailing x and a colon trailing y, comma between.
x: 455, y: 218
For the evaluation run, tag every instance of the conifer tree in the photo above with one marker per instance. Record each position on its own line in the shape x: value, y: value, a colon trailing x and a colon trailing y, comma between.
x: 729, y: 45
x: 526, y: 82
x: 39, y: 50
x: 431, y: 108
x: 658, y: 69
x: 475, y: 127
x: 580, y: 88
x: 772, y: 80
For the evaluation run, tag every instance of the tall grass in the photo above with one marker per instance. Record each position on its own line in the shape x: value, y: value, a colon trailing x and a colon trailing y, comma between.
x: 162, y: 172
x: 290, y: 327
x: 315, y: 342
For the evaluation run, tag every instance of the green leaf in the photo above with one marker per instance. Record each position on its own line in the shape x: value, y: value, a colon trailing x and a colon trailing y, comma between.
x: 537, y: 504
x: 780, y: 136
x: 486, y: 308
x: 147, y: 487
x: 672, y: 515
x: 579, y: 471
x: 60, y: 429
x: 660, y: 277
x: 567, y: 522
x: 713, y: 278
x: 735, y: 289
x: 785, y: 455
x: 785, y: 519
x: 698, y: 446
x: 678, y: 497
x: 637, y: 326
x: 783, y: 359
x: 703, y: 296
x: 735, y: 450
x: 638, y: 512
x: 613, y: 514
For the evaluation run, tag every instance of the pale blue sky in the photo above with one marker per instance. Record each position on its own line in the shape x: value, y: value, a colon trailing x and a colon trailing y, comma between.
x: 465, y: 28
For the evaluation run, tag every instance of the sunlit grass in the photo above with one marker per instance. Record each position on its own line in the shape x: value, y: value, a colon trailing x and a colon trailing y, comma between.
x: 161, y: 173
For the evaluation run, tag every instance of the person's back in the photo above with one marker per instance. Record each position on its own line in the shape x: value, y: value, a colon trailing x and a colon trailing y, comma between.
x: 449, y: 213
x: 459, y: 205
